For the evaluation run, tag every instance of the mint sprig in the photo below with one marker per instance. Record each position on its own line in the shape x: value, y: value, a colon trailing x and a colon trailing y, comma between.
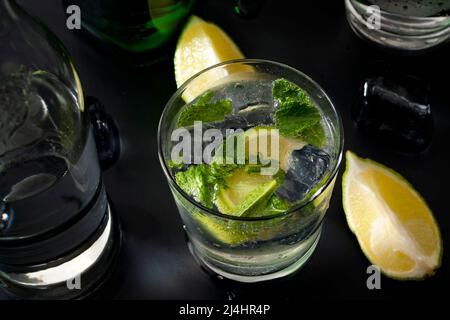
x: 203, y: 180
x: 296, y: 114
x: 196, y: 182
x: 205, y: 109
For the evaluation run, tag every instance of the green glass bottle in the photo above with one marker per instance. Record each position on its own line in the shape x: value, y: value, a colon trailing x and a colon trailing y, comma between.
x: 138, y: 31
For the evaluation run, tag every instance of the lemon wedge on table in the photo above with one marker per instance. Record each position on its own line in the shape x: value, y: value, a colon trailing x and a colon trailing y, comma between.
x: 202, y: 45
x: 393, y: 224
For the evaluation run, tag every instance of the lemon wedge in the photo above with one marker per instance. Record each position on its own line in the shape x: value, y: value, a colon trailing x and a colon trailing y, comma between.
x: 393, y: 224
x: 200, y: 46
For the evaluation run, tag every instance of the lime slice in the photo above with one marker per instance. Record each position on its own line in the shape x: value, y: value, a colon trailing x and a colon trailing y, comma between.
x: 241, y: 182
x: 226, y: 231
x: 394, y: 226
x: 257, y: 198
x: 200, y: 46
x: 238, y: 186
x: 234, y: 232
x: 285, y: 145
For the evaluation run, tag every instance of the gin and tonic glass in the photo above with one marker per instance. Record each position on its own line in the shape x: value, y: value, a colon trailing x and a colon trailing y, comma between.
x: 256, y: 248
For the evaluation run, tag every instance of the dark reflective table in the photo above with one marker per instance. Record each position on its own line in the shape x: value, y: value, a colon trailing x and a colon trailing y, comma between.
x: 315, y: 38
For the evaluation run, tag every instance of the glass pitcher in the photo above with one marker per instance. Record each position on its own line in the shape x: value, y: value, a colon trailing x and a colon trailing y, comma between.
x: 57, y: 234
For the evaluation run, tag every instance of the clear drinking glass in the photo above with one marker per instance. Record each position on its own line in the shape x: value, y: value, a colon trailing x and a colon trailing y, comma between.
x: 56, y: 229
x: 405, y: 25
x: 252, y: 249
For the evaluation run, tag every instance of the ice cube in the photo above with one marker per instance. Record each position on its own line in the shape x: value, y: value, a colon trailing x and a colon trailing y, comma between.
x: 306, y: 167
x: 246, y: 93
x: 21, y: 112
x: 30, y: 186
x: 258, y: 115
x: 233, y: 124
x: 395, y: 110
x: 247, y: 118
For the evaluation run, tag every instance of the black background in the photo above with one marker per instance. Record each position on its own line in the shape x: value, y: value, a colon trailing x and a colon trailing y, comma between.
x: 314, y: 37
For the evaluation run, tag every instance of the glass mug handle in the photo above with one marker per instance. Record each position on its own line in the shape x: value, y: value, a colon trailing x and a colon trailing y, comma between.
x: 105, y: 131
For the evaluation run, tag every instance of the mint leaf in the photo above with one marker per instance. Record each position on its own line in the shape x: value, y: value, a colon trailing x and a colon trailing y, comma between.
x: 218, y: 172
x: 204, y: 109
x: 255, y: 199
x: 293, y: 118
x: 195, y: 182
x: 315, y: 135
x: 275, y: 205
x: 201, y: 181
x: 174, y: 165
x: 296, y: 115
x: 284, y: 91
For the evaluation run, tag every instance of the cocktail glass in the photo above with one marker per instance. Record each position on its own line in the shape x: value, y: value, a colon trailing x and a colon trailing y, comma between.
x: 252, y: 249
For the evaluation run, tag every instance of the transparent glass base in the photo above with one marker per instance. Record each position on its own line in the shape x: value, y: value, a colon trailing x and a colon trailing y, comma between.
x: 76, y: 278
x: 255, y: 269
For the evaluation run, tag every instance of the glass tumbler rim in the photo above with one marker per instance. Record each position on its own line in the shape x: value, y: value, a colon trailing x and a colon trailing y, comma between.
x: 424, y: 27
x: 411, y: 19
x: 214, y: 212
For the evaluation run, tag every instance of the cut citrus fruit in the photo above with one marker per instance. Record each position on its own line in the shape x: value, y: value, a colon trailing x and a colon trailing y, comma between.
x: 252, y: 145
x: 238, y: 186
x: 226, y: 231
x: 285, y: 145
x: 255, y: 199
x: 394, y: 226
x: 200, y: 46
x: 240, y: 204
